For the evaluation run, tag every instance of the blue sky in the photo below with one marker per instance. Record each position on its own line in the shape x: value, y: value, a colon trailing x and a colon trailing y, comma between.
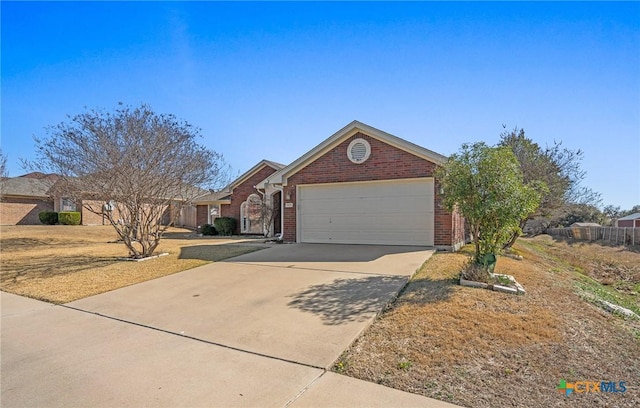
x: 272, y: 80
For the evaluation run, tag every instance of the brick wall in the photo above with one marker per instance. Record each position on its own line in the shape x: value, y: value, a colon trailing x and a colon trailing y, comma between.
x: 23, y: 211
x: 202, y: 215
x: 629, y: 223
x: 241, y: 192
x: 90, y: 218
x: 385, y: 163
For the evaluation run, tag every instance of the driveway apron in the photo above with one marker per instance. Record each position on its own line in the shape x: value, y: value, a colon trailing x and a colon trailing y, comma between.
x: 256, y: 330
x: 293, y: 302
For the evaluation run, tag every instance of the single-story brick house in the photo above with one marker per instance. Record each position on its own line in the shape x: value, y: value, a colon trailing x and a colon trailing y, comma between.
x: 359, y: 186
x: 632, y: 220
x: 23, y: 198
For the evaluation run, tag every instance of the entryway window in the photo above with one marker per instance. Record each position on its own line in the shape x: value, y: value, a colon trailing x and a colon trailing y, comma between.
x: 67, y: 204
x: 214, y: 212
x: 251, y: 215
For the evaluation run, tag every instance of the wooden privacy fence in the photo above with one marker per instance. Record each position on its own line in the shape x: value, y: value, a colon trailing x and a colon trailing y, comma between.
x: 617, y: 235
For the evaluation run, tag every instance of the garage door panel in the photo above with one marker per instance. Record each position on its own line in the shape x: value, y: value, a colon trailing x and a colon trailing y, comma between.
x: 382, y: 222
x: 363, y: 205
x: 396, y: 212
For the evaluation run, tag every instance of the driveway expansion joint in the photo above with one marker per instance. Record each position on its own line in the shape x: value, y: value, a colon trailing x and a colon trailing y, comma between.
x: 213, y: 343
x: 318, y: 269
x: 304, y: 389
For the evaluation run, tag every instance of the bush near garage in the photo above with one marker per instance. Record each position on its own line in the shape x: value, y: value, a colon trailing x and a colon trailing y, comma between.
x: 208, y: 229
x: 225, y: 225
x: 69, y: 218
x: 48, y: 217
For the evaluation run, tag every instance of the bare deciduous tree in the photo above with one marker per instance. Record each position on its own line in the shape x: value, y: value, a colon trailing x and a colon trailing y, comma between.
x: 268, y: 212
x: 4, y: 173
x: 133, y: 166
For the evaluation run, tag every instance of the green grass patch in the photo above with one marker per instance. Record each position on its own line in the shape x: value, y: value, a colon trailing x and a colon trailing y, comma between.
x: 596, y: 290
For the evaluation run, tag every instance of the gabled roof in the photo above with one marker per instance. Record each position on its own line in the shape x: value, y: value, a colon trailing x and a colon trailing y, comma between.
x: 26, y: 187
x: 214, y: 197
x: 251, y: 172
x: 40, y: 175
x: 280, y: 177
x: 633, y: 216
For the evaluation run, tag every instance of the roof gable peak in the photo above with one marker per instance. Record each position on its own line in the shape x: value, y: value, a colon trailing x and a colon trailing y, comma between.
x: 259, y: 166
x: 349, y: 130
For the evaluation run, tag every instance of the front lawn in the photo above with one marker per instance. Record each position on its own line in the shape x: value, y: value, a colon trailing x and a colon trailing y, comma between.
x: 480, y: 348
x: 63, y: 263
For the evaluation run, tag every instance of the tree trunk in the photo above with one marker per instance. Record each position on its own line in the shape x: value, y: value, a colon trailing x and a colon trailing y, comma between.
x: 476, y: 240
x: 515, y: 235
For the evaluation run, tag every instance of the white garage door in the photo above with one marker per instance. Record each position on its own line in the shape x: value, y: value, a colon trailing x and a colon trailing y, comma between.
x: 396, y: 212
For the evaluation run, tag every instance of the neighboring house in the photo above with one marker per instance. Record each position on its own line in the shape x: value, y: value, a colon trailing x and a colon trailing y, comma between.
x: 632, y: 220
x: 23, y: 198
x: 584, y: 224
x: 359, y: 186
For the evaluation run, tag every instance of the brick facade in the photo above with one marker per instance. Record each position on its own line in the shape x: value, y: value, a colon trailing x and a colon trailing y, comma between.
x: 88, y: 217
x: 202, y: 215
x: 23, y: 211
x: 629, y: 223
x: 386, y: 162
x: 241, y: 192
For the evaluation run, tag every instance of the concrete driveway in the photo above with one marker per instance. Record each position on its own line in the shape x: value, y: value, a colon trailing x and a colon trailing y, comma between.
x: 256, y: 330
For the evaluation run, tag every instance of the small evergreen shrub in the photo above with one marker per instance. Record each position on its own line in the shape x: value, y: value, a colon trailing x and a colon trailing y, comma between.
x: 225, y: 225
x: 208, y: 229
x: 69, y: 218
x: 48, y: 217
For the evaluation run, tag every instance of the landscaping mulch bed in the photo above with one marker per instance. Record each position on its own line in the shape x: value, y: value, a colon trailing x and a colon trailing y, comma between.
x: 60, y: 264
x: 479, y: 348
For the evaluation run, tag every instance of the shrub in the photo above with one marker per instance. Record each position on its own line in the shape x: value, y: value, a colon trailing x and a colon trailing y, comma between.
x: 208, y: 229
x: 69, y: 218
x: 48, y: 217
x: 225, y: 225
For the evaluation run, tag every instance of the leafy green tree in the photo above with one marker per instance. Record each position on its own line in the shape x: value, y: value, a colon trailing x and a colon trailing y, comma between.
x: 579, y: 213
x: 611, y: 213
x: 554, y: 171
x: 486, y: 185
x: 633, y: 210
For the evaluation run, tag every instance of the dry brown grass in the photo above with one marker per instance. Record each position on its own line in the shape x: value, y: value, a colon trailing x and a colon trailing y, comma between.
x: 60, y: 263
x: 479, y: 348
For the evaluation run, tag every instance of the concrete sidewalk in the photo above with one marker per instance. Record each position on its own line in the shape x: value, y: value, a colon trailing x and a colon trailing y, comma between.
x: 246, y: 332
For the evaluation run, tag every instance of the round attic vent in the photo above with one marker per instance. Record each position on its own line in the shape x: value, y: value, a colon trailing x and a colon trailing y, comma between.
x: 358, y: 151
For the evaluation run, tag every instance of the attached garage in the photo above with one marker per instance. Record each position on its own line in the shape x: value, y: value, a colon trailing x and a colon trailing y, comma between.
x: 388, y: 212
x: 365, y: 186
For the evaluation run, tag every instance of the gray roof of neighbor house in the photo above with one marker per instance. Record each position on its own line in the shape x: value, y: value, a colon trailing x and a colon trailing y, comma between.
x: 213, y: 196
x: 633, y: 216
x: 26, y: 187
